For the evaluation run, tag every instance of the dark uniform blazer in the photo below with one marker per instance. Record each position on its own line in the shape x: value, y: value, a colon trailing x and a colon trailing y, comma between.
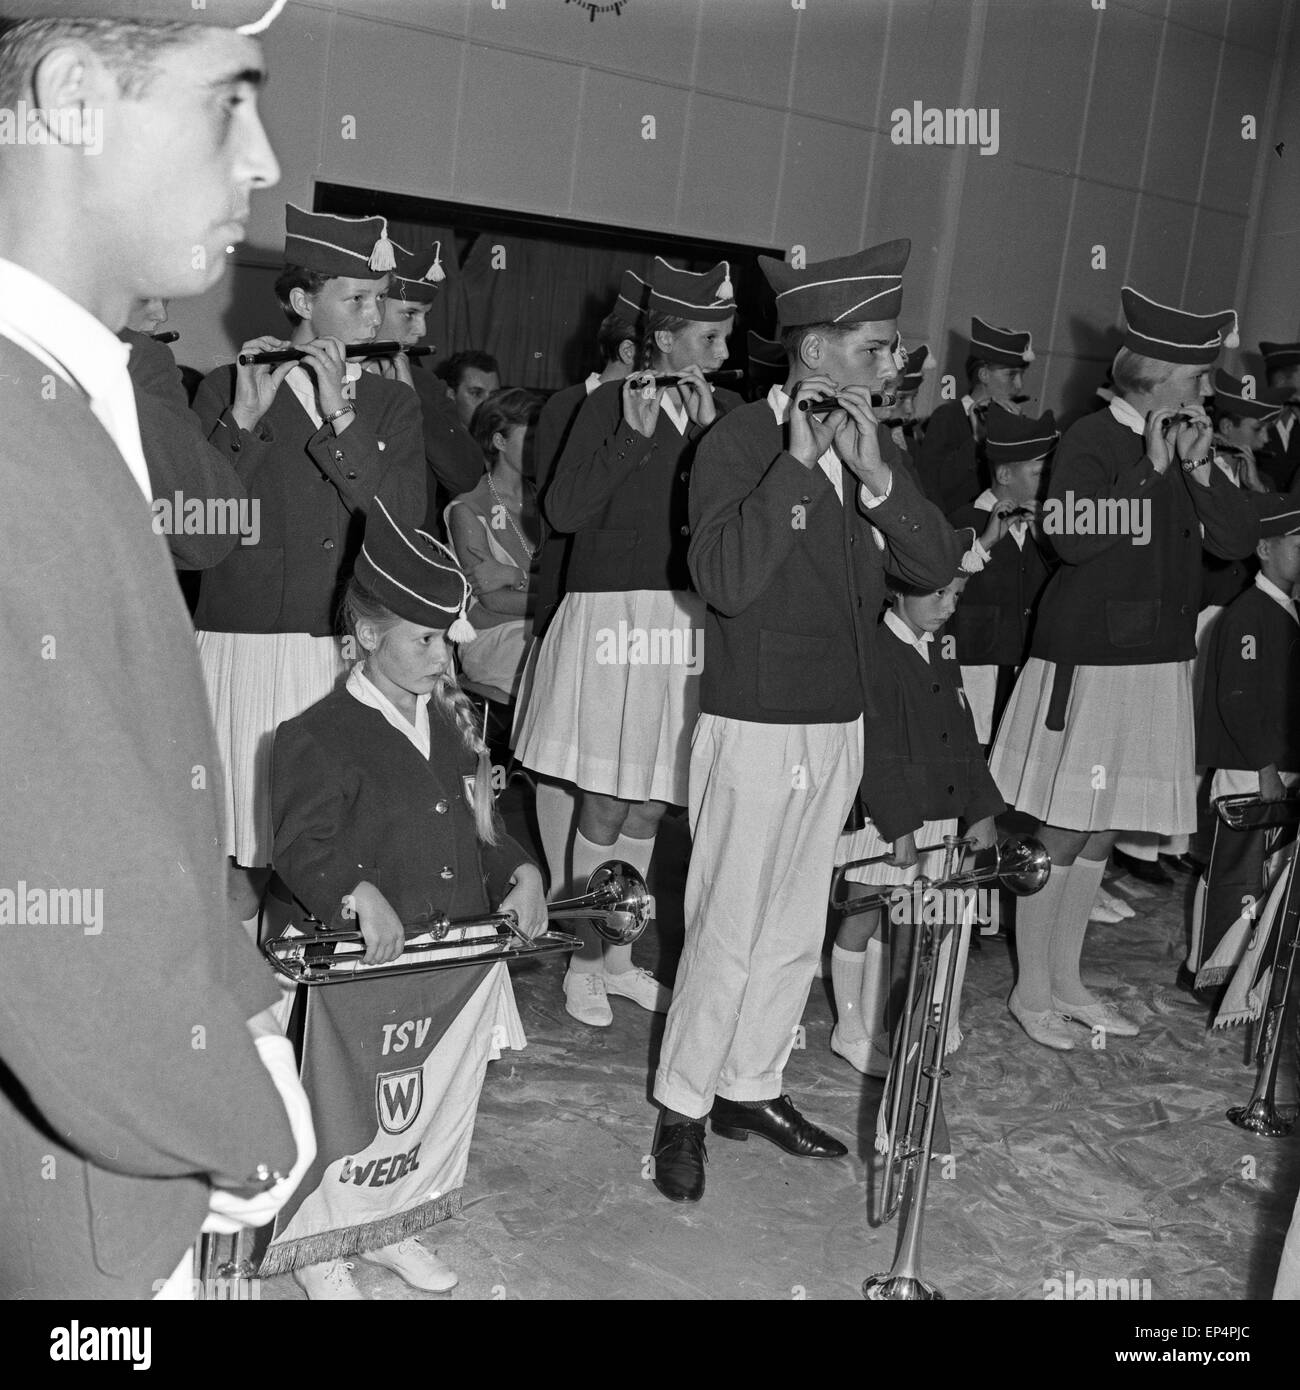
x: 455, y: 461
x: 624, y: 497
x: 1279, y: 465
x: 995, y: 616
x: 553, y: 426
x: 1116, y: 603
x: 354, y: 800
x: 795, y: 580
x: 176, y: 451
x: 314, y: 489
x: 947, y: 461
x: 128, y: 1079
x: 922, y: 759
x: 1250, y: 714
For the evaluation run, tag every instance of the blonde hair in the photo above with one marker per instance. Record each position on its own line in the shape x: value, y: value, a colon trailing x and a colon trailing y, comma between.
x: 446, y: 698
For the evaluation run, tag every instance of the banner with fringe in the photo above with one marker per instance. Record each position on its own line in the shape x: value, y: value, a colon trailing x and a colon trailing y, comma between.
x: 393, y: 1067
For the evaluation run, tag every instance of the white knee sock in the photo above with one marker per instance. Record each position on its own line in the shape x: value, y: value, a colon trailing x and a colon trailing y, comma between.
x: 1082, y: 879
x: 638, y: 853
x: 587, y: 858
x: 846, y: 980
x: 556, y: 807
x: 874, y: 998
x: 1035, y: 924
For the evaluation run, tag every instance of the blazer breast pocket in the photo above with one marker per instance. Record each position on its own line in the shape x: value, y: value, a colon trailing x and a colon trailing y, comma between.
x: 795, y: 671
x: 1132, y: 622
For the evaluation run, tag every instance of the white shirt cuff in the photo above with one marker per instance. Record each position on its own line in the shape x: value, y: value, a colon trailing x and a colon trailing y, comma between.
x: 869, y: 500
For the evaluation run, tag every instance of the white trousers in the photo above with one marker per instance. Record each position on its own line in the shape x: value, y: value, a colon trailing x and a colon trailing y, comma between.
x: 767, y: 804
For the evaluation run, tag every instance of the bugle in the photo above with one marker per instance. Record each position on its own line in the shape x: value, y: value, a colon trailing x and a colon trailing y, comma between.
x: 916, y: 1071
x: 353, y: 350
x: 824, y: 407
x: 168, y: 335
x: 1260, y: 1114
x: 617, y: 903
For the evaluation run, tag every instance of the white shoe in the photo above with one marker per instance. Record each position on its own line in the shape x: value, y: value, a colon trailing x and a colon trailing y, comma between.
x: 331, y: 1280
x: 641, y: 987
x: 1046, y: 1027
x: 1114, y: 903
x: 585, y: 998
x: 1098, y: 1015
x: 870, y: 1056
x: 1102, y: 913
x: 415, y: 1265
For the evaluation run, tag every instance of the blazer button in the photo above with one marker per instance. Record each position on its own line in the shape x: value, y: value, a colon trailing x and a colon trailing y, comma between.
x: 440, y: 807
x: 327, y: 544
x: 685, y: 477
x: 352, y: 475
x: 951, y: 789
x: 338, y: 455
x: 1186, y: 533
x: 235, y: 446
x: 943, y: 737
x: 446, y: 872
x: 686, y: 530
x: 1184, y: 609
x: 853, y: 540
x: 935, y: 687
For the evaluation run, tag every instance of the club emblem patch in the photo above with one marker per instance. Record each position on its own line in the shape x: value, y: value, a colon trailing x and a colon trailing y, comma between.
x: 398, y: 1097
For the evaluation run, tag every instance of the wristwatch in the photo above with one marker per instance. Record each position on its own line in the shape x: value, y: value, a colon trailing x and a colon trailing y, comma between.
x: 1191, y: 465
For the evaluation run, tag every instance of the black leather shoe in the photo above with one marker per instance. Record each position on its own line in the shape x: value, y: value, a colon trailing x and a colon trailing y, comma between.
x: 679, y: 1160
x: 778, y: 1121
x: 1145, y: 869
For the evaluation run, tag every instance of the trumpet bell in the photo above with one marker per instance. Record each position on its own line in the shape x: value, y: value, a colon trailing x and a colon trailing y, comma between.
x: 617, y: 903
x: 1024, y: 865
x: 900, y: 1288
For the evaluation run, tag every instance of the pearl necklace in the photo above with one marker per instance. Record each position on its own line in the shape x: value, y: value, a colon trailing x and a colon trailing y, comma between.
x: 528, y: 549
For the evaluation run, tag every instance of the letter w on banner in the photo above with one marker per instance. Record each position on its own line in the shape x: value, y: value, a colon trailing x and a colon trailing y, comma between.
x: 393, y: 1131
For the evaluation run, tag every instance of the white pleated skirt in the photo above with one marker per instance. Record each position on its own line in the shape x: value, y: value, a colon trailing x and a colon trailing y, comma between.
x: 1126, y: 759
x: 257, y: 680
x: 612, y: 695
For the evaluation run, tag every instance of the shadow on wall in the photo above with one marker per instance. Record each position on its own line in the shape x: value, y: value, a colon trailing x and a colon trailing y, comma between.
x: 1092, y: 350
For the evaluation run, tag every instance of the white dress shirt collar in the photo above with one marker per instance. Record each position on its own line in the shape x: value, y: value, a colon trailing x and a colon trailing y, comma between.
x: 592, y: 381
x: 363, y: 689
x: 905, y: 634
x: 1128, y: 415
x: 72, y: 342
x: 1282, y: 599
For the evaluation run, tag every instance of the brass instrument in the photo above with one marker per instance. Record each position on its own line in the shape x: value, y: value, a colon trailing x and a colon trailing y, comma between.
x: 223, y: 1269
x: 617, y: 903
x: 916, y: 1070
x: 1260, y: 1115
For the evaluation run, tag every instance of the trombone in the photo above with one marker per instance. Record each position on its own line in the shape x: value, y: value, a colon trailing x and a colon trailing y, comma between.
x: 617, y: 903
x: 1260, y: 1114
x: 916, y: 1070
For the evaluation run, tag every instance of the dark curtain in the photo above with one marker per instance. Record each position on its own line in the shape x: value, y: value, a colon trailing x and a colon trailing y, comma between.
x: 533, y: 303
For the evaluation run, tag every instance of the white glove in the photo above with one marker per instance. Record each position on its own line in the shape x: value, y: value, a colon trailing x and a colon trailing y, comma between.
x: 227, y: 1213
